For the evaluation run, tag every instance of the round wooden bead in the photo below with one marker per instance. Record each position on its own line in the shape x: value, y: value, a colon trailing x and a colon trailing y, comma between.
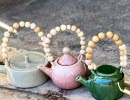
x: 82, y: 42
x: 63, y: 27
x: 88, y: 62
x: 119, y: 42
x: 89, y: 56
x: 57, y: 29
x: 50, y: 58
x: 123, y: 52
x: 40, y: 34
x: 81, y: 34
x: 47, y: 50
x: 4, y: 55
x: 27, y: 24
x: 89, y: 50
x: 109, y: 34
x: 5, y: 39
x: 16, y: 25
x: 49, y: 36
x: 73, y: 28
x: 83, y: 47
x: 115, y: 37
x: 82, y: 38
x: 91, y: 44
x: 92, y: 66
x: 95, y: 39
x: 122, y: 47
x: 123, y: 58
x: 21, y: 23
x: 7, y: 34
x: 47, y: 40
x: 68, y: 27
x: 4, y: 44
x: 45, y: 45
x: 53, y: 32
x: 4, y: 50
x: 48, y: 54
x: 82, y: 52
x: 43, y: 38
x: 123, y: 64
x: 33, y: 26
x: 78, y: 30
x: 101, y: 35
x: 10, y: 30
x: 37, y: 29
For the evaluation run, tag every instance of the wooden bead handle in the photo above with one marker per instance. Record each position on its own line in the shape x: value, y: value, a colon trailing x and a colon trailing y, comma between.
x: 95, y: 39
x: 16, y: 26
x: 47, y: 40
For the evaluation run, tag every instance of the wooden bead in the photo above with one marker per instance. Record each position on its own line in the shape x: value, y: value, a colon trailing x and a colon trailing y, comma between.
x: 82, y: 42
x: 82, y: 38
x: 91, y: 44
x: 68, y: 27
x: 57, y: 29
x: 50, y: 58
x: 16, y: 25
x: 33, y: 26
x: 53, y: 32
x: 27, y: 24
x: 40, y: 34
x: 109, y: 34
x: 4, y: 55
x: 4, y: 44
x: 78, y: 30
x: 115, y: 37
x: 5, y: 39
x: 101, y: 35
x: 45, y: 45
x: 119, y: 42
x: 47, y: 40
x: 73, y: 28
x: 47, y: 50
x: 49, y: 36
x: 43, y: 38
x: 89, y: 50
x: 123, y: 64
x: 7, y: 34
x: 21, y: 23
x: 4, y: 50
x: 82, y: 52
x: 88, y: 62
x: 10, y: 30
x: 89, y: 56
x: 37, y: 29
x: 123, y: 52
x: 63, y: 27
x: 48, y: 54
x: 83, y: 47
x: 81, y: 34
x: 92, y: 66
x: 122, y: 47
x: 95, y: 39
x: 123, y: 58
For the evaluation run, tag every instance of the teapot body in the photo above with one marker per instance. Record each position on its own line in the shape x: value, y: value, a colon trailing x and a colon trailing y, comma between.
x: 64, y: 76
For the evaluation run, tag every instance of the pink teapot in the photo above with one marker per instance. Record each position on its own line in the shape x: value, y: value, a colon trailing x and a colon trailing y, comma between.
x: 66, y: 68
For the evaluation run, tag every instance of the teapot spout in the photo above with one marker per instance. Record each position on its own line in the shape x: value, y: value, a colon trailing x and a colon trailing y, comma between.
x: 83, y: 81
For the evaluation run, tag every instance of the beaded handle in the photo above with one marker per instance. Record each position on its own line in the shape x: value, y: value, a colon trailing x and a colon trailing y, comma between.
x: 16, y: 26
x: 95, y: 39
x: 46, y: 41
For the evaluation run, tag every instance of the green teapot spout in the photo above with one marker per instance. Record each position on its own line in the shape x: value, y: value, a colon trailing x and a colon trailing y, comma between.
x: 85, y: 82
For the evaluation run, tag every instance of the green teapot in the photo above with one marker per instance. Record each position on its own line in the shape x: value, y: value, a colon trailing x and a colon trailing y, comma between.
x: 106, y: 82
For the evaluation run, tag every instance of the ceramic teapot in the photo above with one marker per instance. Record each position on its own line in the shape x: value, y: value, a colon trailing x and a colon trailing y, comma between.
x: 21, y: 69
x: 106, y: 82
x: 65, y: 69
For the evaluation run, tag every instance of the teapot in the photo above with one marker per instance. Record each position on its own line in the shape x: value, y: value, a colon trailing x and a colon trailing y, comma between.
x: 21, y: 69
x: 66, y: 68
x: 106, y: 82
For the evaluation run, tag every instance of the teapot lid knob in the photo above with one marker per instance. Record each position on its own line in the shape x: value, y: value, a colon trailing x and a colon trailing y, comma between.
x: 66, y: 50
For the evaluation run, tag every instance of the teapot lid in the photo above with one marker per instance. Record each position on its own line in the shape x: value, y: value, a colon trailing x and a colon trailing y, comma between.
x: 67, y: 58
x: 28, y: 60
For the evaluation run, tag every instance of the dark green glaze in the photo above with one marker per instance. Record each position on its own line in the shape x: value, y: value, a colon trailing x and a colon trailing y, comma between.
x: 102, y: 83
